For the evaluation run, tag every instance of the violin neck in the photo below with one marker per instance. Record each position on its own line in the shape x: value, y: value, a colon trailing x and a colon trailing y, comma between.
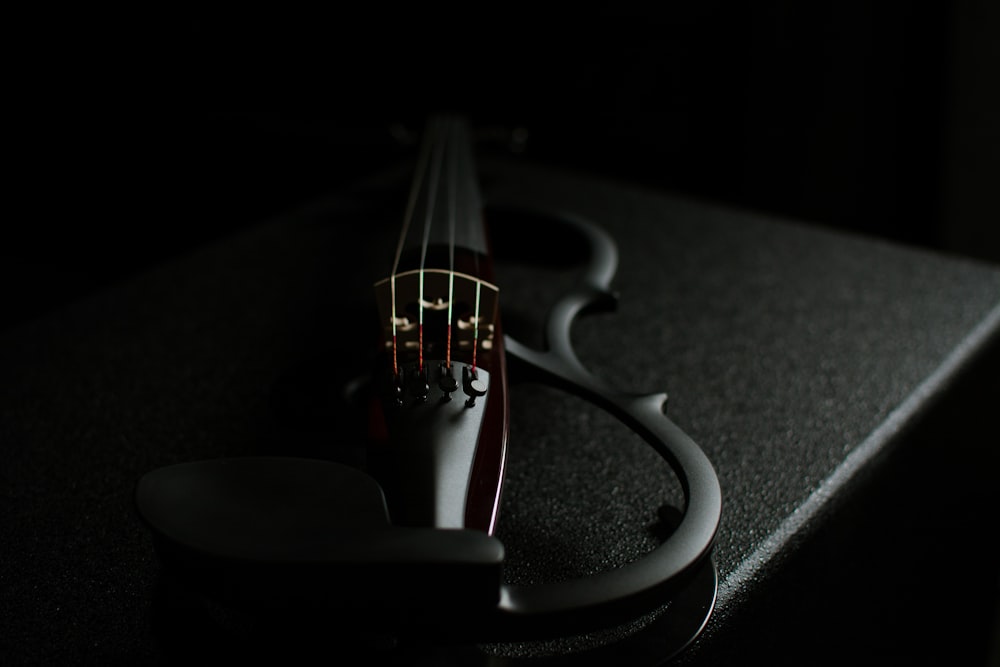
x: 444, y: 208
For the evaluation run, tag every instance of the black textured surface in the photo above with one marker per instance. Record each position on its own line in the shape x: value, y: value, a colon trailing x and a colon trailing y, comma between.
x: 795, y: 357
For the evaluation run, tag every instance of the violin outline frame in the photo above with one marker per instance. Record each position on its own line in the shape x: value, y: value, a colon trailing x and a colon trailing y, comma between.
x: 642, y: 585
x: 178, y: 504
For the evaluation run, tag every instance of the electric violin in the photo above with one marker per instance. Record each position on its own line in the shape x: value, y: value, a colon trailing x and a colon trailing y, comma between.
x: 409, y: 536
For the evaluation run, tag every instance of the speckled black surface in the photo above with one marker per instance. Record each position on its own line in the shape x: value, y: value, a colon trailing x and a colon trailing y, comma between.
x: 784, y: 349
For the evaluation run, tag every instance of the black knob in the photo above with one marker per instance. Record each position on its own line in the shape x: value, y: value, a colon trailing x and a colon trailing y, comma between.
x: 476, y: 388
x: 418, y: 384
x: 447, y: 381
x: 394, y: 384
x: 472, y: 385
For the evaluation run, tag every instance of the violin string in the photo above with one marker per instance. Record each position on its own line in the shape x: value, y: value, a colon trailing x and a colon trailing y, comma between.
x: 469, y: 211
x: 435, y: 183
x: 473, y: 212
x: 452, y: 214
x: 411, y: 204
x: 475, y: 330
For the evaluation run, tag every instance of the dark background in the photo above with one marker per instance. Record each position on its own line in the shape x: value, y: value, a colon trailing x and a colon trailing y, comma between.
x: 142, y: 136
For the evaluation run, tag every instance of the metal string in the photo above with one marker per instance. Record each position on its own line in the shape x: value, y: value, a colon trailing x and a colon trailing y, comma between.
x: 452, y: 215
x: 411, y: 204
x: 428, y: 220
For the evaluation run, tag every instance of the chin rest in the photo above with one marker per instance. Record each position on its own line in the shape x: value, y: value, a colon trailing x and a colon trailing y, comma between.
x: 289, y: 532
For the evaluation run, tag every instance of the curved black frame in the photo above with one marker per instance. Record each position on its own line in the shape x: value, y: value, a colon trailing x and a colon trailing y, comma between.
x: 640, y: 585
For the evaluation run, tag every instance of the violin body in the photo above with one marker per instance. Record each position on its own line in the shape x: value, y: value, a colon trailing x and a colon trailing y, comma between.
x: 412, y: 533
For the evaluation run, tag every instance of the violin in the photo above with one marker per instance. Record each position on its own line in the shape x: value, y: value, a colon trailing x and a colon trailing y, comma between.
x: 408, y: 539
